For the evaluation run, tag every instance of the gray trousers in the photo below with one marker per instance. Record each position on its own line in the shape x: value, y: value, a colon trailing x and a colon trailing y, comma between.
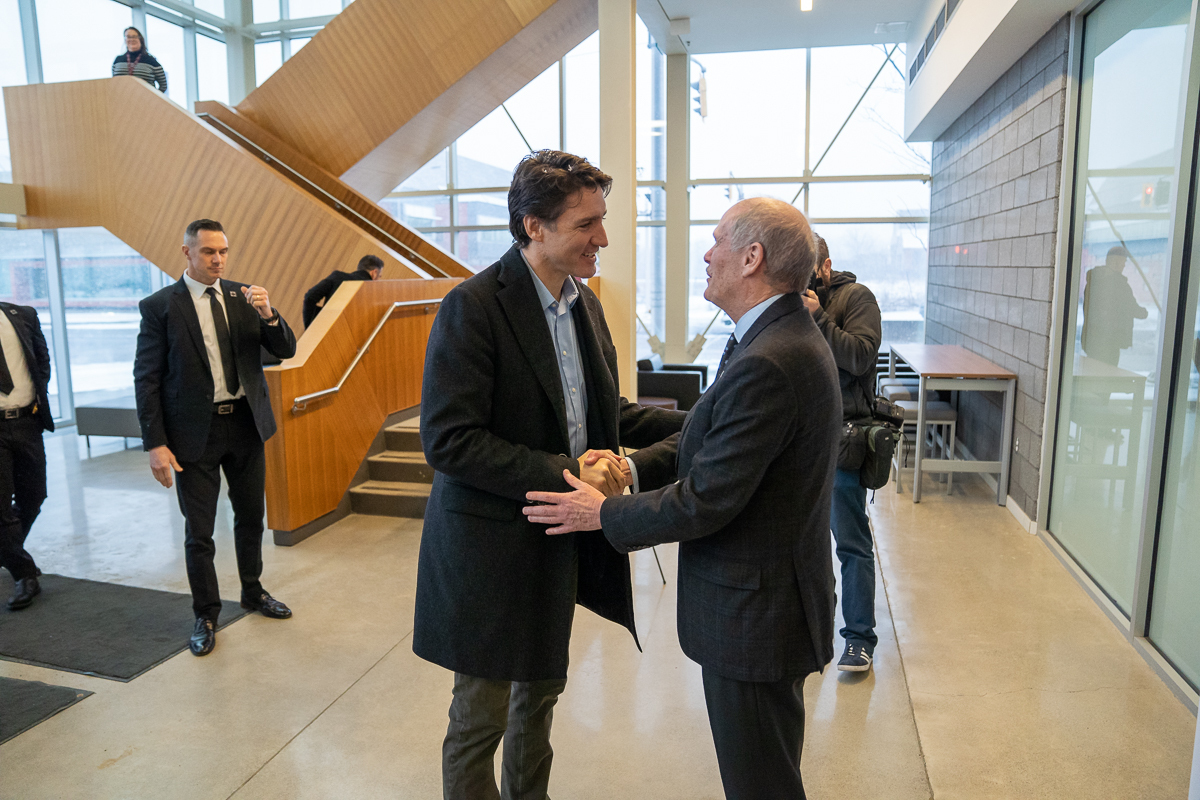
x: 481, y: 714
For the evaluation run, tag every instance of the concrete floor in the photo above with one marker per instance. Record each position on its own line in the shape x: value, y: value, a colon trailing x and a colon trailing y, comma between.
x: 995, y: 675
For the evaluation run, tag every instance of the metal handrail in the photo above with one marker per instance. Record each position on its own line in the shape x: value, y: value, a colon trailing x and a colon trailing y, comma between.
x: 432, y: 270
x: 300, y: 403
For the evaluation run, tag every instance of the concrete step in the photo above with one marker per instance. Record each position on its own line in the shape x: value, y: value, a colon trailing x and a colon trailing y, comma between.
x: 390, y: 498
x: 392, y: 465
x: 403, y: 438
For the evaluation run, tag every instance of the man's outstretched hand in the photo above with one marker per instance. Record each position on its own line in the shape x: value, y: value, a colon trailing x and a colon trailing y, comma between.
x: 567, y: 511
x: 605, y: 471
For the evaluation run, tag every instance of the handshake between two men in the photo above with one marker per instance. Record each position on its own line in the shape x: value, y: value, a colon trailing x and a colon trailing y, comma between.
x: 604, y: 471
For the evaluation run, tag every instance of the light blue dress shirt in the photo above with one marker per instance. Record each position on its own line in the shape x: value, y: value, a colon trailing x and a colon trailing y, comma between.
x: 750, y: 317
x: 566, y: 350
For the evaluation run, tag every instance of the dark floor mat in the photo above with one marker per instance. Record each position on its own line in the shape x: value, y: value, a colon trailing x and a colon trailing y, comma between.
x: 24, y: 704
x: 101, y: 629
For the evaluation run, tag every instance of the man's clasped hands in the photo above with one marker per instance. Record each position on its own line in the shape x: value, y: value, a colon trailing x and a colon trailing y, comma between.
x: 605, y: 471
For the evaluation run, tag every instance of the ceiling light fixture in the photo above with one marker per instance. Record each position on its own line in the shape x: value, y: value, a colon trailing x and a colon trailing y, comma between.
x: 806, y: 5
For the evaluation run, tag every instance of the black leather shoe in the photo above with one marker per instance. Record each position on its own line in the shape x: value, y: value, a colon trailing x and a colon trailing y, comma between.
x: 22, y: 596
x: 267, y: 606
x: 204, y: 637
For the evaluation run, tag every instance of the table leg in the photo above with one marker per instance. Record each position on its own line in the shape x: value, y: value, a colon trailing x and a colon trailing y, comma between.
x: 920, y: 450
x: 1010, y: 399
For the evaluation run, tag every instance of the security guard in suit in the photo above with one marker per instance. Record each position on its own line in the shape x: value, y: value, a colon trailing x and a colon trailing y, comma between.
x: 203, y: 407
x: 24, y: 414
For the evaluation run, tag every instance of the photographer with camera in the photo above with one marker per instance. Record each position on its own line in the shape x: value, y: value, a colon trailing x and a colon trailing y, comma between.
x: 848, y: 316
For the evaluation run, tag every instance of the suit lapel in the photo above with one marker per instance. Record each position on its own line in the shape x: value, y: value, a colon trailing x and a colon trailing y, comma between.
x: 519, y: 300
x: 181, y: 300
x: 24, y: 336
x: 787, y: 304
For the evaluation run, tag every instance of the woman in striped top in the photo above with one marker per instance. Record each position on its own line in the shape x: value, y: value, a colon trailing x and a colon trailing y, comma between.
x: 137, y: 62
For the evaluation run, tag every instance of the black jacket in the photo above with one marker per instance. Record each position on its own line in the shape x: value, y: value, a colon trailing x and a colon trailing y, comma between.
x: 849, y: 320
x: 171, y: 375
x: 37, y: 356
x: 755, y: 463
x: 324, y: 290
x: 495, y: 595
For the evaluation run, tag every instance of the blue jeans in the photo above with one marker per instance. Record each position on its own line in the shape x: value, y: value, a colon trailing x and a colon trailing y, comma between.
x: 852, y: 532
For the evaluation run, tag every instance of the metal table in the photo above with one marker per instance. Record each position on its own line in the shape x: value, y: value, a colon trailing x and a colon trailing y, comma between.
x: 956, y: 369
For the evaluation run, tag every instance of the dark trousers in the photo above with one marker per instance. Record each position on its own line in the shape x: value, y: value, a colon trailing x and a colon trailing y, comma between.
x: 481, y: 714
x: 758, y: 728
x: 22, y: 490
x: 235, y: 447
x: 852, y: 532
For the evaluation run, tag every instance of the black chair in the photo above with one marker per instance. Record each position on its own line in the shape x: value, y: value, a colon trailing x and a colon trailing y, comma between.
x: 683, y: 383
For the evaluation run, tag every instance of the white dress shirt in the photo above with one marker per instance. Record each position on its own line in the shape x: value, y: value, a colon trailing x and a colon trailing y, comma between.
x: 23, y: 393
x: 209, y: 329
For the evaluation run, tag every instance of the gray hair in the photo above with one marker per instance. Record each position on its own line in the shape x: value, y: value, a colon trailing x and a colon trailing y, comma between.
x: 786, y: 239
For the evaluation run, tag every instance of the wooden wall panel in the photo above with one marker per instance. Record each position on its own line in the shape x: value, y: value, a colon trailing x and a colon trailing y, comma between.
x: 72, y: 148
x: 377, y: 65
x: 315, y: 453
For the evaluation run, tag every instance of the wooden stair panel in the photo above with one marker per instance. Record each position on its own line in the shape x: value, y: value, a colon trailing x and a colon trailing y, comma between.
x: 382, y: 65
x: 71, y: 148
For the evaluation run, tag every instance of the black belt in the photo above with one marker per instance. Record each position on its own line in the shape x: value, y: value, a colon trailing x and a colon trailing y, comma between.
x: 229, y: 407
x: 17, y: 413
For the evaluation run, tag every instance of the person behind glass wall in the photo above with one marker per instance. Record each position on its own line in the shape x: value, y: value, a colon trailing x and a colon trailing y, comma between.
x: 848, y: 316
x: 520, y: 384
x: 24, y: 414
x: 1109, y: 309
x: 369, y: 269
x: 203, y: 407
x: 138, y: 62
x: 746, y: 489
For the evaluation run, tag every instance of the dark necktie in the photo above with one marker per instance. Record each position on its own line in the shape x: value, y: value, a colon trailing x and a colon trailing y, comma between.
x: 6, y: 381
x: 223, y: 342
x: 732, y: 343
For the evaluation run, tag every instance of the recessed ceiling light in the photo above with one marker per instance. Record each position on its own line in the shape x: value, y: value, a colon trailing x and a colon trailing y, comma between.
x: 806, y: 5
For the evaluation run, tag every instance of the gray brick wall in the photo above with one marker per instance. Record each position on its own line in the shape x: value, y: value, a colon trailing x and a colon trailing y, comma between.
x: 992, y: 236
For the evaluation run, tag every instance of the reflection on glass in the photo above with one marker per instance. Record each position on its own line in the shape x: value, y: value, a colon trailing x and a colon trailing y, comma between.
x: 1129, y: 107
x: 299, y: 9
x: 483, y: 209
x: 764, y: 86
x: 1174, y: 621
x: 581, y: 74
x: 479, y: 249
x: 268, y: 57
x: 651, y: 286
x: 212, y: 69
x: 891, y: 261
x: 103, y: 280
x: 429, y: 177
x: 710, y: 202
x: 266, y: 10
x: 12, y: 73
x: 164, y: 41
x: 872, y: 141
x: 869, y: 199
x: 431, y: 211
x: 80, y: 38
x: 495, y: 145
x: 23, y: 282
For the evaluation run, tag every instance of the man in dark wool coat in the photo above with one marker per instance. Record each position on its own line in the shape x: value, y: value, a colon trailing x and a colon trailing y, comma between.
x: 746, y: 489
x: 520, y: 385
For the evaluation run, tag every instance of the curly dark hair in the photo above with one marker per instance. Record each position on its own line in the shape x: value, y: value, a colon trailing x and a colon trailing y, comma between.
x: 543, y: 183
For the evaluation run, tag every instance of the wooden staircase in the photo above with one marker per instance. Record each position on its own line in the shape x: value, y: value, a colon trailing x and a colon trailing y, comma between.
x: 398, y: 480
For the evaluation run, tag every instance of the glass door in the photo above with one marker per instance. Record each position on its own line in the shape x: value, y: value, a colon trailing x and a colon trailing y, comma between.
x: 1131, y: 98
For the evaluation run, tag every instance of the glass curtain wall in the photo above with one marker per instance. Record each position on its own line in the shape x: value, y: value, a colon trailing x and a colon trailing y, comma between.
x: 1133, y: 73
x: 827, y: 137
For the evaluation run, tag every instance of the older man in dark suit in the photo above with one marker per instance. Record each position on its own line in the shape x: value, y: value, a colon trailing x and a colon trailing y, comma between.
x: 520, y: 386
x: 203, y: 407
x: 24, y: 414
x: 754, y: 466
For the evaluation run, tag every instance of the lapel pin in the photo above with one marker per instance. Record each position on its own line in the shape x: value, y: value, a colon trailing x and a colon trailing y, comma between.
x: 233, y: 294
x: 12, y: 311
